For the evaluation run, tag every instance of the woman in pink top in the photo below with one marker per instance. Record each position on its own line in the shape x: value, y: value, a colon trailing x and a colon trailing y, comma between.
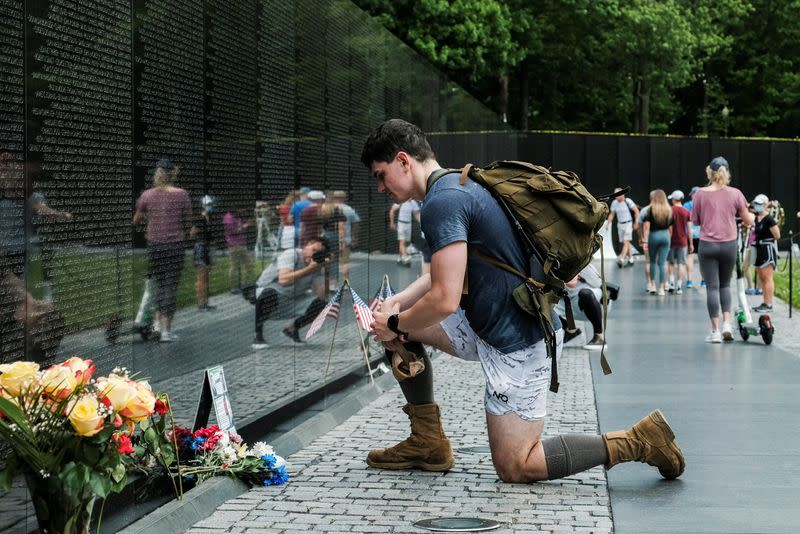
x: 715, y: 209
x: 168, y: 211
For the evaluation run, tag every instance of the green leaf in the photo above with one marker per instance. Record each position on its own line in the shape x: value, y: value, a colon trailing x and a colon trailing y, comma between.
x: 144, y: 425
x: 100, y: 484
x: 118, y: 474
x: 7, y: 477
x: 151, y: 437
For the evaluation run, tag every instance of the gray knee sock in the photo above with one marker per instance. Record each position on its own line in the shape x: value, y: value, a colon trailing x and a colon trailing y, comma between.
x: 573, y: 453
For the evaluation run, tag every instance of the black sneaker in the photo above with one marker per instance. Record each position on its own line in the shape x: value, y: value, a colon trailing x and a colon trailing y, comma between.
x: 569, y: 336
x: 294, y: 335
x: 206, y: 308
x: 761, y: 308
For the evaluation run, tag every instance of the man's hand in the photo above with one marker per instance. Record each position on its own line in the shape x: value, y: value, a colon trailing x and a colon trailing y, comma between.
x: 635, y: 225
x: 379, y: 327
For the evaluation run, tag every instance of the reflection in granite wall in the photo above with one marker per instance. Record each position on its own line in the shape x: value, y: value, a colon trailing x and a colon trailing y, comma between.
x: 108, y: 106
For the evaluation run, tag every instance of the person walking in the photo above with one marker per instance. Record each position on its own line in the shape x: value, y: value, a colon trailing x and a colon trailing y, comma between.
x: 286, y: 237
x: 351, y: 227
x: 658, y: 235
x: 405, y: 213
x: 168, y: 211
x: 767, y: 232
x: 484, y: 324
x: 627, y: 213
x: 695, y: 241
x: 680, y: 244
x: 202, y: 234
x: 240, y: 272
x: 715, y: 209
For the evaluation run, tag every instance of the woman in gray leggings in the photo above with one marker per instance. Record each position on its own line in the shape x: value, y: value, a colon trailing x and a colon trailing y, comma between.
x: 715, y: 209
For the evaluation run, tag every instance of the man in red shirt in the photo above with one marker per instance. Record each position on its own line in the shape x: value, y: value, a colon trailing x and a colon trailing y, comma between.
x: 310, y: 220
x: 680, y: 242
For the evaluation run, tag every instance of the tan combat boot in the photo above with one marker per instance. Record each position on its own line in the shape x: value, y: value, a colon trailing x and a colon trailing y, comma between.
x: 426, y: 448
x: 651, y: 441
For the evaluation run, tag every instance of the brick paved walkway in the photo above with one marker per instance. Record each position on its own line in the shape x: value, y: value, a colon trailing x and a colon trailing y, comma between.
x: 332, y: 489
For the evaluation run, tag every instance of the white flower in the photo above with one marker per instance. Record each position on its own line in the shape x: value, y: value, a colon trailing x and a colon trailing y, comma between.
x: 228, y: 454
x: 260, y: 449
x: 279, y: 461
x: 223, y: 441
x: 242, y: 451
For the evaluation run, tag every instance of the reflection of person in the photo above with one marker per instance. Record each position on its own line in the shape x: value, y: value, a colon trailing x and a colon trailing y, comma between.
x: 715, y: 209
x: 310, y: 219
x: 680, y: 244
x: 286, y: 237
x: 351, y: 224
x: 14, y: 225
x: 485, y: 325
x: 168, y: 211
x: 291, y: 275
x: 201, y: 233
x: 29, y: 328
x: 405, y: 213
x: 767, y: 232
x: 627, y: 212
x: 241, y: 269
x: 333, y: 220
x: 657, y: 235
x: 299, y: 205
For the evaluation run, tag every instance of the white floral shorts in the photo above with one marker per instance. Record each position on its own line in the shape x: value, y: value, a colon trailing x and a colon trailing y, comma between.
x: 516, y: 382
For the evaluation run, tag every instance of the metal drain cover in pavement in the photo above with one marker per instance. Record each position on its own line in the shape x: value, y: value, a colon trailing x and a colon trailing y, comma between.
x: 475, y: 450
x: 457, y: 524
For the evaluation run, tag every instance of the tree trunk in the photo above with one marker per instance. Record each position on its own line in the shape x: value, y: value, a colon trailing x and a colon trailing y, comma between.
x: 504, y: 97
x: 524, y: 88
x: 641, y: 94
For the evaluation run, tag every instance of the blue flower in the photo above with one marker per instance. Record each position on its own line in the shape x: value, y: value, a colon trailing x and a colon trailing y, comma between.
x: 269, y: 461
x: 196, y: 443
x: 279, y: 476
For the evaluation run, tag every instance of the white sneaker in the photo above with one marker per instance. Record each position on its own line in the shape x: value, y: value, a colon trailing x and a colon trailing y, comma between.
x: 679, y: 291
x: 259, y: 345
x: 651, y: 289
x: 661, y: 292
x: 167, y: 337
x: 630, y: 260
x: 714, y: 337
x: 727, y: 331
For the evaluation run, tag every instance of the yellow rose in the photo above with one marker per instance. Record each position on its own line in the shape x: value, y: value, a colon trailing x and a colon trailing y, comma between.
x: 116, y: 391
x: 84, y: 417
x: 16, y: 377
x: 59, y: 381
x: 82, y: 369
x: 141, y: 406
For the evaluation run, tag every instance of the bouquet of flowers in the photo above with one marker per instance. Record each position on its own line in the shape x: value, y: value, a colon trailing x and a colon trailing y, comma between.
x: 70, y: 435
x: 209, y: 452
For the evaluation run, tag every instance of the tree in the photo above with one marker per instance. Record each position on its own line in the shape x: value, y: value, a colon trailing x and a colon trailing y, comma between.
x: 470, y: 39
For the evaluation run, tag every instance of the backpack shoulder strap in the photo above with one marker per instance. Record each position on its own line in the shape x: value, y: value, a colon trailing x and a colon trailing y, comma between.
x: 434, y: 177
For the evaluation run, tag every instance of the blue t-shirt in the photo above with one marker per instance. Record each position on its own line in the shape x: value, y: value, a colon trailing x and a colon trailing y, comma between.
x: 297, y: 208
x: 695, y: 227
x: 452, y: 212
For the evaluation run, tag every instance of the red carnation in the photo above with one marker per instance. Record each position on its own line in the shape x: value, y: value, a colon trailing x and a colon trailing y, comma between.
x: 161, y: 407
x: 124, y: 444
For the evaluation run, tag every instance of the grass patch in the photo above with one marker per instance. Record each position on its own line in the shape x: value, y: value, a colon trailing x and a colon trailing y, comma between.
x: 781, y: 278
x: 91, y: 286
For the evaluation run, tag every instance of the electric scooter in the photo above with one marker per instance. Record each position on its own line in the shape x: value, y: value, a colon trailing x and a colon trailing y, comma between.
x: 743, y: 316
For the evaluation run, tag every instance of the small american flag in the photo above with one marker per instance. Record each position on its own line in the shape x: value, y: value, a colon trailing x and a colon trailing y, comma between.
x: 363, y: 313
x: 331, y: 310
x: 383, y: 293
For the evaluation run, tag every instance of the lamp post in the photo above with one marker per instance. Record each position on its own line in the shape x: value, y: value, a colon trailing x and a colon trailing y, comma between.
x: 725, y: 113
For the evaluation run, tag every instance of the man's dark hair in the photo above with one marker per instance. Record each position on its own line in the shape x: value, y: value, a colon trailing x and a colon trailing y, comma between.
x: 394, y: 135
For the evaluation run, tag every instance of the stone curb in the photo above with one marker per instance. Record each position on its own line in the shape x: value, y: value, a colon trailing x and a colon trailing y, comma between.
x: 202, y: 501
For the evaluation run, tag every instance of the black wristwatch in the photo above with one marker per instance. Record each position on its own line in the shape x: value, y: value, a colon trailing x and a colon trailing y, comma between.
x: 393, y: 322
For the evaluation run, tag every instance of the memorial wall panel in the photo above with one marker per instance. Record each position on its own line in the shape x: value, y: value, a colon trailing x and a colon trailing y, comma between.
x: 231, y: 100
x: 79, y: 156
x: 277, y: 101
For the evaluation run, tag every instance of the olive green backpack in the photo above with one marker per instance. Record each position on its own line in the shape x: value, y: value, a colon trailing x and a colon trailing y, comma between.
x: 558, y: 220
